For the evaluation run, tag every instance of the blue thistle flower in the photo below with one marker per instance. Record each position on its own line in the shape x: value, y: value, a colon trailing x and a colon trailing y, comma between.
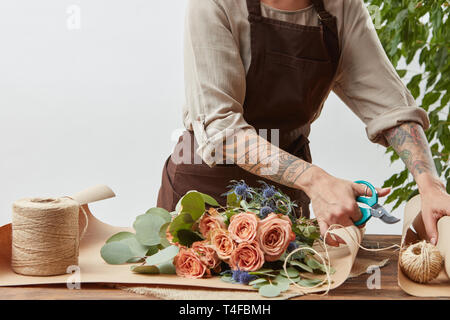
x: 264, y: 212
x: 236, y: 276
x: 245, y: 277
x: 268, y: 192
x: 292, y: 246
x: 241, y: 189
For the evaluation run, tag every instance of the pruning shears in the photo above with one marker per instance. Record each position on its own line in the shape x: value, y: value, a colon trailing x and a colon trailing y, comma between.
x: 375, y: 209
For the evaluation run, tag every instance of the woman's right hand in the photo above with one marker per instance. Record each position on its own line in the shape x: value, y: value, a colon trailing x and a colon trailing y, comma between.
x: 333, y: 201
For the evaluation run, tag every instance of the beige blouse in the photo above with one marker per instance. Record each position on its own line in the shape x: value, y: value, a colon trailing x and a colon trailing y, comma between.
x: 217, y: 57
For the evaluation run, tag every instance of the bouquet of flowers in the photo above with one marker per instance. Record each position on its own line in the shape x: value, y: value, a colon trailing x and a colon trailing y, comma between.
x: 255, y: 240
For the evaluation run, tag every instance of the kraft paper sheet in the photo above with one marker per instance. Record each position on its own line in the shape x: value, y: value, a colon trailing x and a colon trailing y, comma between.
x: 94, y: 270
x: 440, y: 287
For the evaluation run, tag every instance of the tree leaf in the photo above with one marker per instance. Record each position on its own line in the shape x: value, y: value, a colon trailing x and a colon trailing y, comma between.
x: 116, y: 252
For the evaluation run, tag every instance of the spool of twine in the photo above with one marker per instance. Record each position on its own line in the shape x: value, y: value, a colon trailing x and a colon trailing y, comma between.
x: 421, y: 262
x: 45, y: 236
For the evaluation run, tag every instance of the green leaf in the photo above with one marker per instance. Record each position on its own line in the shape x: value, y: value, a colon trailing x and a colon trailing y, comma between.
x: 160, y: 212
x: 292, y: 272
x: 233, y: 200
x: 162, y: 256
x: 116, y: 252
x: 152, y: 250
x: 120, y: 236
x: 256, y: 281
x: 147, y: 228
x: 401, y: 73
x: 167, y: 268
x: 209, y: 200
x: 193, y: 203
x: 227, y: 278
x: 301, y: 265
x: 309, y: 282
x: 430, y: 98
x: 269, y: 291
x: 280, y: 278
x: 282, y: 285
x: 145, y: 269
x: 188, y: 237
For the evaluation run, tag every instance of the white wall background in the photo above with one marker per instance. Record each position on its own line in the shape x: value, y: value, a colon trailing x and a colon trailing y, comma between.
x: 99, y: 104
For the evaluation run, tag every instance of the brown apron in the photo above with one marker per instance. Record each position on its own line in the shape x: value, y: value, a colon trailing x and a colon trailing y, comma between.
x: 290, y: 75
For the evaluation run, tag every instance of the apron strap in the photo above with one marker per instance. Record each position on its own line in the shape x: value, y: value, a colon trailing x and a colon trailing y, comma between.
x: 254, y: 7
x: 321, y: 12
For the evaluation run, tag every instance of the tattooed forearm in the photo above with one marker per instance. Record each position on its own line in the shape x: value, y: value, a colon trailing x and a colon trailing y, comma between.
x: 410, y: 143
x: 262, y: 158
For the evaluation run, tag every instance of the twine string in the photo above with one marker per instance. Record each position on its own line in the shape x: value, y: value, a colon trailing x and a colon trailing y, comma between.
x: 326, y: 261
x: 45, y: 236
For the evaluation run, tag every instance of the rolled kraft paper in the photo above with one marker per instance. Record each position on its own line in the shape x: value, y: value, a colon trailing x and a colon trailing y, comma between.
x: 443, y: 243
x: 45, y: 236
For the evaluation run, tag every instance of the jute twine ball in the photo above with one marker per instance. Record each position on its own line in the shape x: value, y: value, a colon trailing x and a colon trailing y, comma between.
x: 421, y: 262
x: 45, y: 236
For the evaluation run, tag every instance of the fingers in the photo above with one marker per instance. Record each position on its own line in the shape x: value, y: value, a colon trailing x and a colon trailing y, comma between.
x: 430, y: 223
x: 364, y: 191
x: 382, y: 192
x: 329, y: 239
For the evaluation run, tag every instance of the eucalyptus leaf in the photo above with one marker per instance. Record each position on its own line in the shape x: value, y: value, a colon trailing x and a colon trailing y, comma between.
x: 163, y: 213
x: 116, y: 252
x: 309, y: 282
x: 120, y: 236
x: 147, y: 228
x: 291, y: 272
x: 282, y: 285
x: 145, y: 269
x: 162, y: 256
x: 256, y: 281
x: 167, y: 268
x: 269, y: 291
x: 301, y: 265
x: 227, y: 278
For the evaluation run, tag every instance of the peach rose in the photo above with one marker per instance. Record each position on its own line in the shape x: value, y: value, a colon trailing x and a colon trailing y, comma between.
x: 274, y: 235
x: 243, y: 227
x: 210, y: 221
x: 248, y: 256
x: 206, y: 253
x: 189, y: 265
x: 222, y: 242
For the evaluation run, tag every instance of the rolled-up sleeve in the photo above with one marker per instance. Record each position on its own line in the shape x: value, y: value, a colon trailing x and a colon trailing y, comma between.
x: 214, y: 78
x: 366, y: 80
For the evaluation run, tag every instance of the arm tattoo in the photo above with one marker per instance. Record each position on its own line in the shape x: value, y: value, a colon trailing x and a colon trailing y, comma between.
x: 410, y: 143
x: 257, y: 154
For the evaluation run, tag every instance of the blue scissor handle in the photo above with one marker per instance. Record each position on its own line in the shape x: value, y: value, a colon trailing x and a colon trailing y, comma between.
x: 370, y: 201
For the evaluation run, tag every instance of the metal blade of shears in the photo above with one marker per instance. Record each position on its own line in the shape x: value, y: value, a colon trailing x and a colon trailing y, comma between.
x: 379, y: 212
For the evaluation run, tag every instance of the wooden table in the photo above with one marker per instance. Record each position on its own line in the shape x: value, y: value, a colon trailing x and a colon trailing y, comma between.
x: 355, y: 288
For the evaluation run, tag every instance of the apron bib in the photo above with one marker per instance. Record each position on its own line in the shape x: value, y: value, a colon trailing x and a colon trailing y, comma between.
x: 290, y: 76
